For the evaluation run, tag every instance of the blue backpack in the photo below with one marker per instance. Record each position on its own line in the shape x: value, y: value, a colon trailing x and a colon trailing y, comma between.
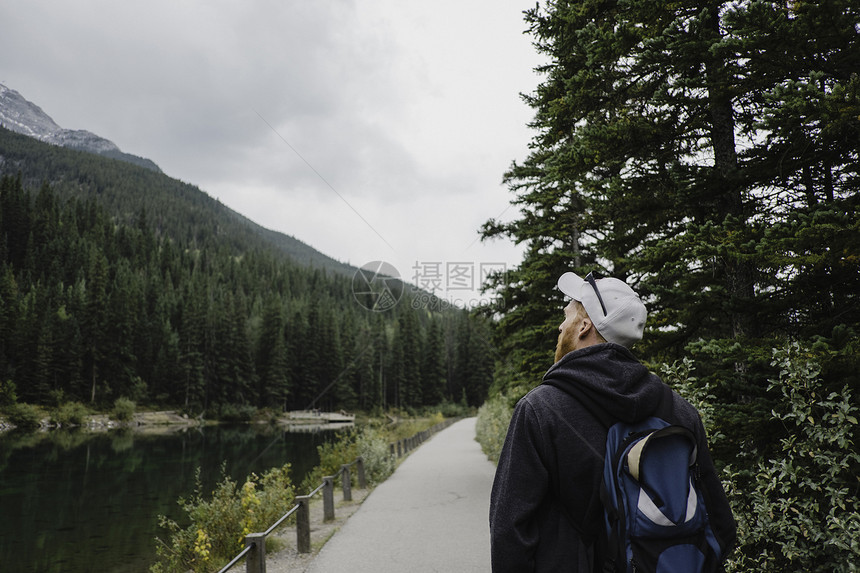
x: 655, y: 514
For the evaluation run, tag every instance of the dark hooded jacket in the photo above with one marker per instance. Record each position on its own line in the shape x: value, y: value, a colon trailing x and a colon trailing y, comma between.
x: 545, y: 509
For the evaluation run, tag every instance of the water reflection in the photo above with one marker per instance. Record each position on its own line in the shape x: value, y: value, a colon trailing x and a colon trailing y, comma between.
x: 77, y: 501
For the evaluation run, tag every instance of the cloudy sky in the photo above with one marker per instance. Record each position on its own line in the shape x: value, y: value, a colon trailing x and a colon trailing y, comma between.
x: 369, y: 129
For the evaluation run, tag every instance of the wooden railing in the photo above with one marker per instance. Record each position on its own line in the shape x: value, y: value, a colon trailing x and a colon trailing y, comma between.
x: 254, y: 552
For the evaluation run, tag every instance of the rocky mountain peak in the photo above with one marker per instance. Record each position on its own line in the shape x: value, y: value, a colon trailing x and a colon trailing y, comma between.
x: 23, y: 116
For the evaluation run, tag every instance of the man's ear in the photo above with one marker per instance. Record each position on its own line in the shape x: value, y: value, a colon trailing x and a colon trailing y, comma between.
x: 585, y: 328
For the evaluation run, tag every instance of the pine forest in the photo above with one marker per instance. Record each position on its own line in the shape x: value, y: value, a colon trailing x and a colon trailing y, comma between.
x: 119, y: 282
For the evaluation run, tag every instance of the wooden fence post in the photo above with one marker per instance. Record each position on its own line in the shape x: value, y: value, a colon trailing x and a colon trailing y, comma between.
x: 346, y: 480
x: 328, y: 498
x: 362, y: 479
x: 255, y: 562
x: 303, y: 524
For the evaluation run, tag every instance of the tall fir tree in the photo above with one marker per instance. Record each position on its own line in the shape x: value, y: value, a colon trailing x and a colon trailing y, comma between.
x: 272, y: 367
x: 706, y: 153
x: 433, y: 363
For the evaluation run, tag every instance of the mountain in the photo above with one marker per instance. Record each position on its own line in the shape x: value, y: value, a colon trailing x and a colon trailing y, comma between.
x: 126, y: 191
x: 24, y: 117
x: 78, y: 163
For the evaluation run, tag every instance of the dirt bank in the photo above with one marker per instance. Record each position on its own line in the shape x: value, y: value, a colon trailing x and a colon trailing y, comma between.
x: 149, y: 422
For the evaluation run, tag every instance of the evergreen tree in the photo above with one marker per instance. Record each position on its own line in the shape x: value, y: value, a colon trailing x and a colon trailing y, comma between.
x: 297, y: 350
x: 239, y: 377
x: 704, y: 152
x: 68, y: 346
x: 273, y: 384
x: 191, y: 330
x: 408, y: 351
x: 34, y: 374
x: 124, y: 303
x: 478, y: 362
x: 333, y: 372
x: 433, y: 363
x: 356, y: 347
x: 312, y: 372
x: 78, y: 386
x: 94, y: 319
x: 15, y: 206
x: 9, y: 316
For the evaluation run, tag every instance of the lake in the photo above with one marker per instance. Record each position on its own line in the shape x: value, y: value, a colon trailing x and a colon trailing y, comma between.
x: 76, y: 502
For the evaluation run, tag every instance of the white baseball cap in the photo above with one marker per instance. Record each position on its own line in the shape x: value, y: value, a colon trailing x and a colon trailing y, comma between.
x: 613, y: 307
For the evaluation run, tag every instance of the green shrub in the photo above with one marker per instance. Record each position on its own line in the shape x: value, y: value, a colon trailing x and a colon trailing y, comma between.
x: 801, y: 511
x: 220, y: 522
x: 407, y: 426
x: 454, y: 410
x: 236, y: 412
x: 123, y: 410
x: 375, y: 454
x: 24, y: 416
x: 56, y: 398
x: 70, y: 414
x: 277, y: 495
x: 491, y: 427
x: 369, y: 443
x: 333, y: 454
x: 8, y: 393
x: 679, y: 376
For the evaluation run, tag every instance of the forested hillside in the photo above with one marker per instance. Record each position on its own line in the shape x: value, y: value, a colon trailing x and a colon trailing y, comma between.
x: 119, y: 282
x: 174, y: 209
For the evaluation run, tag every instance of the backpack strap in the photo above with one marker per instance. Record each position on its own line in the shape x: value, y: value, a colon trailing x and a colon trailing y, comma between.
x: 609, y: 553
x: 666, y: 409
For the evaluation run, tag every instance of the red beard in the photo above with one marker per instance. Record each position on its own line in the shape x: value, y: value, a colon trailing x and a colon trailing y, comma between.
x: 566, y: 343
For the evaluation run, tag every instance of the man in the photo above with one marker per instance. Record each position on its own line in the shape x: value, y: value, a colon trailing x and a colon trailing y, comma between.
x: 545, y: 508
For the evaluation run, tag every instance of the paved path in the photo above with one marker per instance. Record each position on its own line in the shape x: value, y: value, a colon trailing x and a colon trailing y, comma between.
x: 430, y: 515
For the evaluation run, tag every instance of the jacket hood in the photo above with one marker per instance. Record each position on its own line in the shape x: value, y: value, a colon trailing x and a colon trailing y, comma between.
x: 608, y: 381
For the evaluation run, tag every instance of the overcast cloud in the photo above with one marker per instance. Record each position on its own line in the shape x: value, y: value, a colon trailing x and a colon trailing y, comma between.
x: 371, y: 130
